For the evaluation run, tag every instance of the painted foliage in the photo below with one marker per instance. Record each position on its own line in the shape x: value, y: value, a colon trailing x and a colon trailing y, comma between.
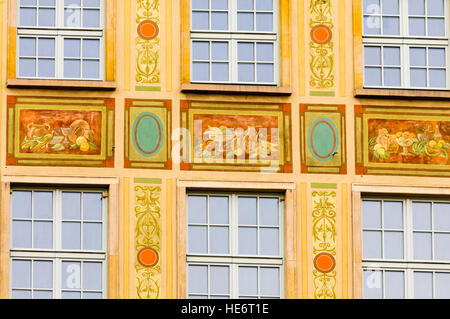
x: 147, y: 134
x: 402, y: 141
x: 231, y: 136
x: 67, y: 132
x: 323, y: 146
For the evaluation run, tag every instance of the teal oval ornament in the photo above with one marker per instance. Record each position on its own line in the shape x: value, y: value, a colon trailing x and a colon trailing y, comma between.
x: 323, y: 139
x: 148, y: 134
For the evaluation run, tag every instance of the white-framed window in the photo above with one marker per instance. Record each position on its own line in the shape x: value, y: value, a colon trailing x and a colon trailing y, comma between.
x: 235, y: 41
x: 58, y: 243
x: 405, y: 247
x: 234, y: 245
x: 405, y: 44
x: 60, y: 39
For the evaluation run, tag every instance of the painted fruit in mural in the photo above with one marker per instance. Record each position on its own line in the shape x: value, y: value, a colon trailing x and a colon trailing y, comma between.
x: 401, y: 141
x: 60, y: 132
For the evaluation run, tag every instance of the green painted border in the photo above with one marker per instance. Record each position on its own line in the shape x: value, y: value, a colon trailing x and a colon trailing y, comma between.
x: 324, y: 185
x: 322, y: 93
x: 148, y: 88
x: 148, y: 181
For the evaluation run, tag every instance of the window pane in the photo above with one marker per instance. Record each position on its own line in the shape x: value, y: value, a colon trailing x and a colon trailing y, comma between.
x: 264, y: 5
x: 200, y: 20
x: 436, y: 57
x: 76, y: 3
x: 21, y: 274
x: 46, y: 17
x: 91, y: 3
x: 219, y: 21
x: 373, y: 284
x: 72, y: 18
x: 390, y: 7
x: 220, y: 72
x: 28, y: 17
x: 197, y: 209
x: 418, y: 56
x: 371, y: 214
x: 27, y: 67
x: 393, y: 215
x: 245, y: 4
x: 435, y: 7
x: 391, y: 25
x: 200, y: 71
x: 219, y: 51
x: 436, y: 27
x: 219, y: 4
x: 72, y: 48
x: 72, y: 68
x: 269, y: 241
x: 21, y: 294
x: 442, y: 282
x: 248, y: 281
x: 220, y: 280
x: 371, y: 244
x: 92, y: 206
x: 418, y: 77
x: 268, y: 211
x: 372, y: 76
x: 43, y: 235
x: 372, y: 55
x: 218, y: 210
x: 438, y: 78
x: 21, y: 234
x: 71, y: 274
x: 417, y: 26
x: 91, y: 69
x: 46, y: 47
x: 71, y: 206
x: 421, y: 215
x: 372, y: 25
x: 91, y: 18
x: 198, y: 279
x: 46, y: 68
x: 393, y: 245
x: 441, y: 216
x: 197, y: 239
x: 37, y: 294
x: 92, y: 276
x: 269, y: 281
x: 92, y: 236
x: 21, y: 204
x: 391, y: 55
x: 28, y: 2
x: 264, y: 22
x: 43, y: 274
x: 91, y: 48
x: 247, y: 210
x: 265, y: 73
x: 219, y: 240
x: 27, y: 47
x: 441, y: 247
x: 416, y: 7
x: 395, y: 284
x: 246, y: 72
x: 264, y: 52
x: 392, y: 77
x: 422, y: 246
x: 200, y: 50
x: 245, y: 21
x: 248, y: 241
x: 200, y: 4
x: 423, y: 285
x: 71, y: 295
x: 246, y: 51
x: 71, y: 235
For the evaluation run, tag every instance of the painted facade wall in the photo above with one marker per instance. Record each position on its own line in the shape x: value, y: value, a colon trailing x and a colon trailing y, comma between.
x: 329, y: 143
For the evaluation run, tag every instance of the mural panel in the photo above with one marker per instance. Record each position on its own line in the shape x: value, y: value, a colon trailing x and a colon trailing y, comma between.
x: 147, y: 134
x: 402, y: 141
x: 240, y: 137
x: 323, y: 146
x: 60, y: 132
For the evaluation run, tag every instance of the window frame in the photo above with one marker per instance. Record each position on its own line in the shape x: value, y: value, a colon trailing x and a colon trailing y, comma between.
x: 57, y: 254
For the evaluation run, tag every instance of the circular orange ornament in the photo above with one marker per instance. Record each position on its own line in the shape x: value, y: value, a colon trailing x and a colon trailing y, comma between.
x: 324, y: 262
x: 148, y: 257
x: 148, y: 30
x: 321, y: 34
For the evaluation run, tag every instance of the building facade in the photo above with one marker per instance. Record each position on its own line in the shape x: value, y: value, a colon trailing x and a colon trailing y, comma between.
x: 224, y: 149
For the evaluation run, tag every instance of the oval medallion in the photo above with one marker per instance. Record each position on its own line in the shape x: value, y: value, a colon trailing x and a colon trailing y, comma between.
x: 148, y: 257
x: 148, y: 30
x: 324, y: 262
x: 323, y: 139
x: 148, y: 134
x: 321, y: 34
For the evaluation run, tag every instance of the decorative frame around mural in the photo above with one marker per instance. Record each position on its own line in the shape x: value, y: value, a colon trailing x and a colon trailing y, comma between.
x: 238, y: 115
x: 331, y: 119
x: 148, y: 115
x: 60, y: 131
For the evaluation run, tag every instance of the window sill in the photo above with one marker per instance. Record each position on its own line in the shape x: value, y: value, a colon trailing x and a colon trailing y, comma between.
x: 61, y: 84
x: 236, y: 89
x: 403, y: 94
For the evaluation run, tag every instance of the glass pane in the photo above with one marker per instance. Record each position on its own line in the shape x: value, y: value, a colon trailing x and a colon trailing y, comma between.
x: 264, y: 52
x: 246, y: 72
x: 71, y: 295
x: 197, y: 239
x: 393, y: 245
x: 372, y: 76
x: 441, y: 212
x: 71, y: 274
x: 46, y: 68
x: 371, y: 244
x: 92, y: 276
x: 372, y: 25
x: 43, y: 235
x: 200, y: 4
x: 91, y: 18
x: 218, y: 210
x: 72, y: 18
x: 436, y: 27
x: 200, y: 20
x: 21, y: 234
x: 197, y: 209
x: 91, y: 48
x: 76, y: 3
x: 27, y: 67
x: 92, y: 206
x: 390, y: 7
x: 219, y: 51
x: 219, y: 4
x: 245, y: 4
x: 92, y: 295
x: 268, y: 211
x: 418, y: 56
x: 43, y: 205
x: 421, y: 215
x: 248, y: 281
x: 391, y: 25
x: 417, y: 26
x: 91, y: 3
x: 245, y: 21
x: 72, y: 48
x: 423, y: 285
x: 92, y: 236
x: 28, y: 17
x: 220, y: 280
x: 37, y: 294
x: 372, y: 55
x: 197, y: 279
x: 200, y: 50
x: 247, y: 210
x: 371, y: 6
x: 46, y: 47
x: 371, y: 214
x: 416, y: 7
x: 91, y: 69
x: 269, y: 241
x: 395, y: 284
x: 21, y: 274
x: 47, y: 17
x: 435, y: 7
x: 438, y: 78
x: 441, y: 247
x: 28, y: 2
x: 219, y: 21
x: 265, y: 72
x: 71, y: 206
x: 246, y: 51
x: 373, y: 284
x: 418, y: 77
x: 442, y: 282
x: 422, y: 246
x: 264, y: 22
x: 436, y: 57
x: 264, y: 5
x: 269, y: 281
x: 27, y: 46
x: 43, y: 274
x: 71, y: 235
x: 200, y: 71
x: 72, y: 68
x: 219, y: 240
x: 21, y: 294
x: 248, y: 241
x: 21, y: 204
x: 393, y: 215
x: 391, y: 55
x: 392, y: 77
x: 220, y: 72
